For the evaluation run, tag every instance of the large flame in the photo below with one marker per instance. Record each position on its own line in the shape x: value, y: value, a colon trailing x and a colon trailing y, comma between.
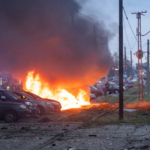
x: 67, y: 100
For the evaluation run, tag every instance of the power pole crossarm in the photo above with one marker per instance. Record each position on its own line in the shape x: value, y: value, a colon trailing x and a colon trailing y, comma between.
x: 139, y: 12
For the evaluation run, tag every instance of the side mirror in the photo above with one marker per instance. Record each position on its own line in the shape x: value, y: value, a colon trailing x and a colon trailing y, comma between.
x: 3, y: 98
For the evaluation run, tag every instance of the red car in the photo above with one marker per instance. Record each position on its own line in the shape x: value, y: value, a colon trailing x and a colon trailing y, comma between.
x: 131, y: 85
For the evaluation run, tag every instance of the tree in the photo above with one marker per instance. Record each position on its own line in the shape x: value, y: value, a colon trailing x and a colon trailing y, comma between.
x: 115, y: 65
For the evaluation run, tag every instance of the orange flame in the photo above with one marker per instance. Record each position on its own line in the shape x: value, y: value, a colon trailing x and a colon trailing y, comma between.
x: 66, y: 99
x: 140, y: 106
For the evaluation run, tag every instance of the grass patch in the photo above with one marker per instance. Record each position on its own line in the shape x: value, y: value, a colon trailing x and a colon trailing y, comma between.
x: 113, y: 118
x: 147, y: 98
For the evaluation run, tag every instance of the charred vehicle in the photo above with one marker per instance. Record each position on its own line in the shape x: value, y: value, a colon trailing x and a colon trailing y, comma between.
x: 46, y: 106
x: 11, y: 112
x: 7, y: 96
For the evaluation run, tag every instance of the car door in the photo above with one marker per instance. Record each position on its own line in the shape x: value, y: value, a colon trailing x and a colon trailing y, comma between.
x: 1, y: 108
x: 8, y: 97
x: 4, y: 104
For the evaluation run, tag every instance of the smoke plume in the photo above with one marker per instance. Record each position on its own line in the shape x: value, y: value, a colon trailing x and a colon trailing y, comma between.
x: 53, y: 39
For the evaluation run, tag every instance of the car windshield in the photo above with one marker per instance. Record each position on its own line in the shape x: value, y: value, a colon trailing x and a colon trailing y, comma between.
x: 32, y: 95
x: 18, y: 94
x: 10, y: 95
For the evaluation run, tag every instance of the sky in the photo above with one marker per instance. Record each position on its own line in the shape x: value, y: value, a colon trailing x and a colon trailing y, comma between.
x: 107, y: 12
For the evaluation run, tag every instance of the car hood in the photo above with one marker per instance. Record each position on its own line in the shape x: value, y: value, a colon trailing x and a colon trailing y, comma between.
x: 23, y: 100
x: 51, y: 100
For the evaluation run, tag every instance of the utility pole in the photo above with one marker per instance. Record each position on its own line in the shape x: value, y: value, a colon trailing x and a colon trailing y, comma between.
x: 125, y: 63
x: 125, y: 59
x: 120, y: 59
x: 147, y: 67
x: 139, y: 55
x: 131, y: 65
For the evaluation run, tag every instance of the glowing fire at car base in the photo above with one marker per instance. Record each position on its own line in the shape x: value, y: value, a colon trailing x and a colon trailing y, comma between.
x: 67, y: 100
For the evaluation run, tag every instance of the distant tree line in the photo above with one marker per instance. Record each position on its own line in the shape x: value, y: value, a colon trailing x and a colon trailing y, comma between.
x: 114, y: 69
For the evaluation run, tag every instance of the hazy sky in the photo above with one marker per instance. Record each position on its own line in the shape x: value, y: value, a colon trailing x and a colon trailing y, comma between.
x: 108, y: 12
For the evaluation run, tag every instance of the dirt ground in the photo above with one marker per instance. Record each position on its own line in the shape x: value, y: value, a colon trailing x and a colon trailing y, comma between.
x: 94, y: 128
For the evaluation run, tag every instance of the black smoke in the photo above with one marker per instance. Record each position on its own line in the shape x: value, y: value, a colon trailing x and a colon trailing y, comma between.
x: 52, y: 38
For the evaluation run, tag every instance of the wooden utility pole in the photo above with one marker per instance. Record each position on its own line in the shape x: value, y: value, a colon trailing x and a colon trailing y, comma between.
x: 148, y: 67
x: 120, y: 59
x: 125, y: 59
x: 131, y: 65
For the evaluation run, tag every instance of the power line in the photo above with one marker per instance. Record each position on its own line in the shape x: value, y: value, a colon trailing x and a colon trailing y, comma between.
x: 117, y: 37
x: 129, y: 24
x: 126, y: 35
x: 144, y: 45
x: 134, y: 44
x: 146, y: 16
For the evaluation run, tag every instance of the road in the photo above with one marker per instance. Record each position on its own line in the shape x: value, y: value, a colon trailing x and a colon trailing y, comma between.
x: 70, y: 130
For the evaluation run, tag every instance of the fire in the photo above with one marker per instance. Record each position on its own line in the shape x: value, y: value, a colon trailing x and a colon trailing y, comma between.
x: 140, y: 106
x: 67, y: 100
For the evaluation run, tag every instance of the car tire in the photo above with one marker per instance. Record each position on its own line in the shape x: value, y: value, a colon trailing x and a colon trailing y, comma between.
x: 41, y: 111
x: 116, y: 91
x: 10, y: 116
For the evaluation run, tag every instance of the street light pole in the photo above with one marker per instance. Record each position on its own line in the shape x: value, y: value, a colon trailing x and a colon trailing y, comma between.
x: 120, y: 59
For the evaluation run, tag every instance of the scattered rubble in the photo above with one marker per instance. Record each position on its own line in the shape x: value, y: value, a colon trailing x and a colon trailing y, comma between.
x: 71, y: 134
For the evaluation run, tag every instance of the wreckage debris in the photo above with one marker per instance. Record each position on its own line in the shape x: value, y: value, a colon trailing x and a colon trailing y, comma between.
x: 45, y: 119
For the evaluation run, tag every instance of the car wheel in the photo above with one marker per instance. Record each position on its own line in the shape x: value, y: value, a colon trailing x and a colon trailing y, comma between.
x: 10, y: 116
x: 116, y: 92
x: 41, y: 111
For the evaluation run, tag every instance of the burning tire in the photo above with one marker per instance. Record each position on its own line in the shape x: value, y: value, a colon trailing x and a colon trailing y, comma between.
x: 10, y: 116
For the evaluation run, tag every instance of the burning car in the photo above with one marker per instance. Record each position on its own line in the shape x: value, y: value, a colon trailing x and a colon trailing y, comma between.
x: 46, y: 106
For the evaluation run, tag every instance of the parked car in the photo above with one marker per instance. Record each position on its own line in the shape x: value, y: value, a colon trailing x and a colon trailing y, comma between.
x: 96, y: 91
x: 55, y: 104
x: 131, y: 85
x: 12, y: 111
x: 46, y: 106
x: 131, y: 82
x: 7, y: 96
x: 113, y: 88
x: 124, y: 83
